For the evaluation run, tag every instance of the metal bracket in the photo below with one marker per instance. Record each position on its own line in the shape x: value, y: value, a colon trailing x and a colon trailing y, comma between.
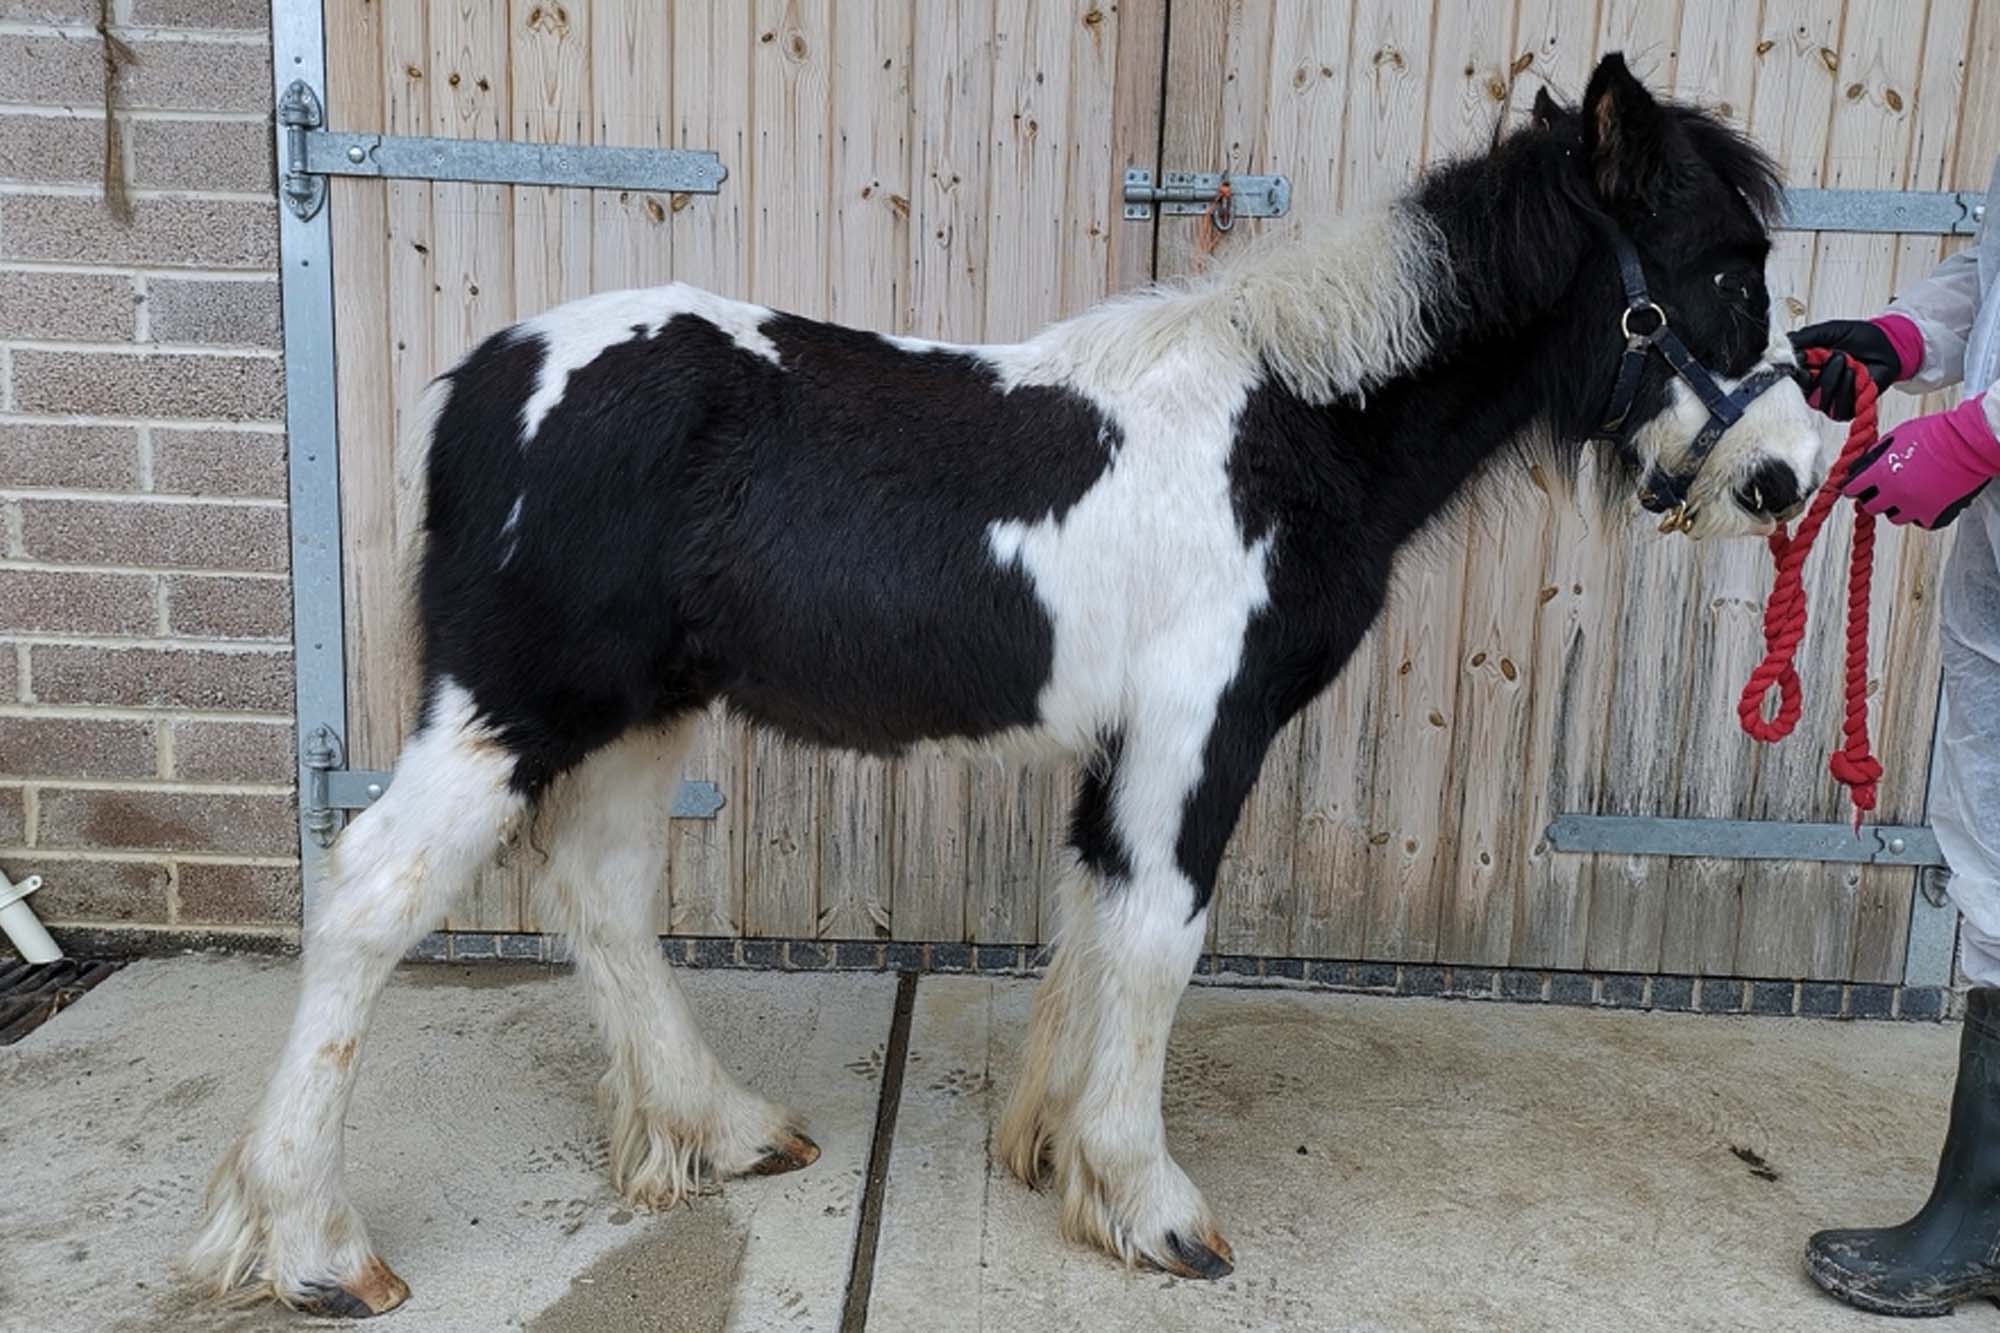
x: 313, y: 153
x: 1926, y: 212
x: 1746, y: 840
x: 321, y: 756
x: 339, y: 789
x: 1189, y: 193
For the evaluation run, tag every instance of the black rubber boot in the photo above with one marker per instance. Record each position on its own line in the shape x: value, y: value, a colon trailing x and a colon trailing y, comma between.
x: 1950, y: 1251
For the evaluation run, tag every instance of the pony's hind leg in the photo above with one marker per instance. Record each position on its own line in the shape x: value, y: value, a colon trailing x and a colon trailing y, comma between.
x: 677, y: 1117
x: 276, y: 1216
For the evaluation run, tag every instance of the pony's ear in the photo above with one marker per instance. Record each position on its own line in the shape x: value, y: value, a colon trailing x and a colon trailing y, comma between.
x: 1547, y: 112
x: 1625, y: 135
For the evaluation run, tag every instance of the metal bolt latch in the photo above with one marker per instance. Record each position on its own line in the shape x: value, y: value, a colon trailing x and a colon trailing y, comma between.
x: 1190, y: 194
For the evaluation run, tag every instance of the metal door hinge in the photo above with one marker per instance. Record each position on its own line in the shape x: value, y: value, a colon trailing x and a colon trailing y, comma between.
x: 312, y: 153
x: 1188, y: 193
x: 1746, y: 840
x: 332, y: 789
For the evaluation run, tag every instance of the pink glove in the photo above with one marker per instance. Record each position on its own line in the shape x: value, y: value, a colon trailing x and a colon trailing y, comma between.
x: 1928, y: 469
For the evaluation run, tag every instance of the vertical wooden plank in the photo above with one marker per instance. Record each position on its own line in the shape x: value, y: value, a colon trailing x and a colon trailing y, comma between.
x: 1491, y: 772
x: 1191, y: 118
x: 1798, y: 919
x: 1304, y: 96
x: 1140, y: 83
x: 710, y: 63
x: 1342, y: 735
x: 1417, y: 680
x: 954, y: 63
x: 870, y: 253
x: 551, y: 103
x: 1654, y: 672
x: 632, y: 69
x: 372, y: 589
x: 1579, y: 600
x: 1956, y: 136
x: 471, y: 285
x: 1723, y: 607
x: 791, y: 159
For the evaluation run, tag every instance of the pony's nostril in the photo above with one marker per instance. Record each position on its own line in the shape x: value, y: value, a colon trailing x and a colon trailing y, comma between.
x: 1772, y: 489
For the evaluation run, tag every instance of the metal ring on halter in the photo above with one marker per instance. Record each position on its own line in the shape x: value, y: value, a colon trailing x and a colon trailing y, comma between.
x: 1625, y: 322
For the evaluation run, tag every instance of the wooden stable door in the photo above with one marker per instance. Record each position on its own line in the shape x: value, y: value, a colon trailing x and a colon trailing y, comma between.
x: 953, y: 170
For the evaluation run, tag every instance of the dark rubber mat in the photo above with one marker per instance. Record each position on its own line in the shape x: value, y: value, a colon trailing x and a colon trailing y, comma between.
x: 33, y: 993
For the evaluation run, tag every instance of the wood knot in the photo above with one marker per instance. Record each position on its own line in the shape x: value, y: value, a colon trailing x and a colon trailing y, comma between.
x: 1092, y: 17
x: 654, y: 211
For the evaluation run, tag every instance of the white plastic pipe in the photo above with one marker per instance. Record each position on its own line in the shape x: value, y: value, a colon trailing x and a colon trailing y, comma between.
x: 24, y: 929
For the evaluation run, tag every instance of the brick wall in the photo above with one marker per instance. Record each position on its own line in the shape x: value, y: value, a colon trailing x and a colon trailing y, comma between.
x: 145, y: 673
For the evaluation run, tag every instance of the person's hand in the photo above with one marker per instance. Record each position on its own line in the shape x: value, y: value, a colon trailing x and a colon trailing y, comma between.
x: 1927, y: 470
x: 1888, y: 347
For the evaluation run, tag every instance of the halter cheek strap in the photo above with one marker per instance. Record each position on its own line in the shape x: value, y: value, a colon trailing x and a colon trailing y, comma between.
x: 1646, y: 331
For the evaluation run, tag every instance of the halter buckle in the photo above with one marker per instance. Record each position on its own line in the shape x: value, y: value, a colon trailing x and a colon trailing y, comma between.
x: 1678, y: 519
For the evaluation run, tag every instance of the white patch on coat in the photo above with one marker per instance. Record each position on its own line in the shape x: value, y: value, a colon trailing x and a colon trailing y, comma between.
x: 1777, y: 425
x: 1334, y: 314
x: 277, y: 1213
x: 578, y: 332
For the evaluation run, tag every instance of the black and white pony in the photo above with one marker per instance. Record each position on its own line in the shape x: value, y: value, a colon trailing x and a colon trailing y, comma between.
x: 1146, y: 536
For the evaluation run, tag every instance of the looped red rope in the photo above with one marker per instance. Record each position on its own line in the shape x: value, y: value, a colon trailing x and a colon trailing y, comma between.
x: 1853, y: 765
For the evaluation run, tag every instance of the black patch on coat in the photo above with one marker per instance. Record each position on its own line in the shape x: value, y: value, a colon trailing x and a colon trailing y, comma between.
x: 808, y: 543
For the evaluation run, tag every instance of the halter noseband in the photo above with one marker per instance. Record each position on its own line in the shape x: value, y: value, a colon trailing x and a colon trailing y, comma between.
x: 1645, y: 328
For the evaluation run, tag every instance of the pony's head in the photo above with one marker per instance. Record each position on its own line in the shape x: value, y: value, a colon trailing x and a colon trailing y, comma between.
x: 1696, y: 380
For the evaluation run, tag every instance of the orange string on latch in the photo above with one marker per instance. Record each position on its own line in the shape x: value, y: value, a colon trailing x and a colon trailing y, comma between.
x: 1853, y: 765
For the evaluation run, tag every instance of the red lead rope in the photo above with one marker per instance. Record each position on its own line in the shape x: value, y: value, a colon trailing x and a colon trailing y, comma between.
x: 1853, y: 765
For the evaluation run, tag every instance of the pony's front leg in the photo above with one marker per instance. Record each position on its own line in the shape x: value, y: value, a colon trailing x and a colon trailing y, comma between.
x: 1148, y: 837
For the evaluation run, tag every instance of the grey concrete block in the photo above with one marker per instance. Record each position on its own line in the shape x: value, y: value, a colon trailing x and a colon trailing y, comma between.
x: 765, y: 954
x: 73, y: 602
x: 1671, y: 993
x: 242, y: 15
x: 76, y: 747
x: 81, y: 307
x: 807, y: 955
x: 951, y: 957
x: 167, y: 821
x: 248, y: 464
x: 1571, y: 988
x: 1471, y: 983
x: 67, y: 70
x: 1870, y: 1001
x: 1375, y: 976
x: 1722, y: 995
x: 1623, y: 991
x: 128, y: 891
x: 1773, y: 997
x: 1423, y: 979
x: 1516, y: 985
x: 234, y: 751
x: 1921, y: 1003
x: 1820, y: 998
x: 55, y: 149
x: 224, y: 312
x: 220, y: 607
x: 161, y: 678
x: 213, y: 893
x: 98, y: 458
x: 251, y: 538
x: 166, y: 233
x: 997, y: 957
x: 903, y: 956
x: 149, y: 384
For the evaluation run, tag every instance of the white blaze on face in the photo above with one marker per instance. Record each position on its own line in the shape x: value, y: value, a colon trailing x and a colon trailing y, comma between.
x: 1776, y: 426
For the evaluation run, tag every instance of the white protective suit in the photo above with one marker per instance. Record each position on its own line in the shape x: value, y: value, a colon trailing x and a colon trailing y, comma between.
x: 1957, y: 309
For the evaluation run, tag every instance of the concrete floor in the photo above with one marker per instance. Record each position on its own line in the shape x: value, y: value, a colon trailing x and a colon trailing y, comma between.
x: 1377, y: 1164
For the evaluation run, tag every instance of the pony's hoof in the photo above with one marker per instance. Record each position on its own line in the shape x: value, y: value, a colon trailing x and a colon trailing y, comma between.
x: 374, y: 1290
x: 1208, y: 1258
x: 795, y: 1153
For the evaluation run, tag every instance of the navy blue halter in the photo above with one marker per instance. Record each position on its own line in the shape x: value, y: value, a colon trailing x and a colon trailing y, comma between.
x: 1645, y: 328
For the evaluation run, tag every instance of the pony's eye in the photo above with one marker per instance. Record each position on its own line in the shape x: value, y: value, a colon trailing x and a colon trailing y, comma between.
x: 1733, y: 285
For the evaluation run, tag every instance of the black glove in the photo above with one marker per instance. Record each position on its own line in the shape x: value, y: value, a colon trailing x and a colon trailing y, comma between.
x: 1831, y: 388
